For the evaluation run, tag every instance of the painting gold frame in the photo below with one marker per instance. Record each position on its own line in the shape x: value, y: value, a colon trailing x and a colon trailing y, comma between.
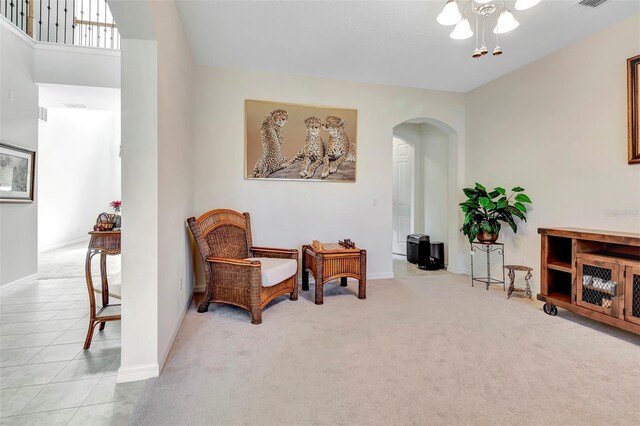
x: 248, y: 168
x: 633, y: 102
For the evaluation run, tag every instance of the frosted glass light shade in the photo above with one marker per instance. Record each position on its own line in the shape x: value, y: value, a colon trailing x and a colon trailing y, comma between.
x: 526, y: 4
x: 506, y: 23
x: 462, y: 30
x: 450, y: 15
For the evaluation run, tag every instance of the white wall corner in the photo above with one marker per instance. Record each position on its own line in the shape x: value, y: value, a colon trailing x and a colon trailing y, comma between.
x: 136, y: 373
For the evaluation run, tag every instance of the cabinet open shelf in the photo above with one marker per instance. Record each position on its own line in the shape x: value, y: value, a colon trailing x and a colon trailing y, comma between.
x: 566, y: 298
x: 559, y: 251
x: 559, y: 266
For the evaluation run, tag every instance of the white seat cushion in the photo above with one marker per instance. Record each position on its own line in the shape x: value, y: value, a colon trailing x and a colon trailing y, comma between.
x: 274, y: 271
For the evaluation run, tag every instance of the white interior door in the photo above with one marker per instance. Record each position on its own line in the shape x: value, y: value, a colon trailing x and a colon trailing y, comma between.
x: 403, y: 184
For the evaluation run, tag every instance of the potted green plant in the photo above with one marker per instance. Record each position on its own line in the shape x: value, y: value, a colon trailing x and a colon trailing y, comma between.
x: 483, y: 211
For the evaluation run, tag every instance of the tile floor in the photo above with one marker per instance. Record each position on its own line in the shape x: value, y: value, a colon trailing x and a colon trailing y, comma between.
x: 45, y: 376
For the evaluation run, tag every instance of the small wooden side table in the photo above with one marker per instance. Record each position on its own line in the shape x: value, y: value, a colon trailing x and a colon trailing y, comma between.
x: 328, y: 262
x: 512, y: 276
x: 104, y: 243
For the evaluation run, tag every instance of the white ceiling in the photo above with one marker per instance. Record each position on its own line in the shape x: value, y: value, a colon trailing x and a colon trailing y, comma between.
x: 389, y: 42
x: 57, y: 95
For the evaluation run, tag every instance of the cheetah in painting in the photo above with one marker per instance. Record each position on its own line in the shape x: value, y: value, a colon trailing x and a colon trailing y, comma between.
x: 313, y: 151
x: 338, y: 149
x: 272, y: 159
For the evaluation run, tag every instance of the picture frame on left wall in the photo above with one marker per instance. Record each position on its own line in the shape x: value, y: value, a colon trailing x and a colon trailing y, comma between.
x: 17, y: 173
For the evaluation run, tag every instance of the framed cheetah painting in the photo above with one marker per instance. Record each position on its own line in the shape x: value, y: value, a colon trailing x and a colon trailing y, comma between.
x: 300, y: 142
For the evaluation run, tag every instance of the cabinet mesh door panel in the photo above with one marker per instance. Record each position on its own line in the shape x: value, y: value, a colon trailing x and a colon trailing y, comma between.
x: 635, y: 296
x: 597, y: 287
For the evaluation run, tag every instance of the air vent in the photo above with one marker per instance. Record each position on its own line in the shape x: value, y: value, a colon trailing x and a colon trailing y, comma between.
x: 42, y: 113
x: 77, y: 106
x: 592, y: 3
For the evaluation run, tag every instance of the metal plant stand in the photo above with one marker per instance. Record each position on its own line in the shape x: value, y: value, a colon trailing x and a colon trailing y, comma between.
x: 488, y: 248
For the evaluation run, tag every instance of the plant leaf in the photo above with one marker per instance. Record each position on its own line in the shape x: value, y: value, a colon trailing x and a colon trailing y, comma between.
x: 480, y: 187
x: 502, y: 203
x: 470, y: 192
x: 487, y: 203
x: 473, y: 233
x: 515, y: 212
x: 494, y: 194
x: 518, y: 205
x: 496, y: 227
x: 500, y: 190
x: 523, y: 198
x: 517, y: 189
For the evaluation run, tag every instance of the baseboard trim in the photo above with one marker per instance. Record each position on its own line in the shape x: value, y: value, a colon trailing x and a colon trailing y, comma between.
x: 381, y: 276
x: 163, y: 360
x: 140, y: 372
x: 17, y: 283
x: 68, y: 243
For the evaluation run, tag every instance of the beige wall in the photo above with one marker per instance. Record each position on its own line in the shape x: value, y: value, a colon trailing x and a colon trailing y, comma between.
x: 140, y: 240
x: 558, y: 128
x: 157, y: 173
x: 18, y: 126
x: 175, y: 172
x: 291, y: 213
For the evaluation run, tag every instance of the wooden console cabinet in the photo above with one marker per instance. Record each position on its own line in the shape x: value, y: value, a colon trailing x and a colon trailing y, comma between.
x: 593, y: 273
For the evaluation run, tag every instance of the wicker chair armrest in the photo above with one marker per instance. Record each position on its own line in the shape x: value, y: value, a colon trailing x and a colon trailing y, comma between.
x: 239, y: 273
x: 236, y: 262
x: 274, y: 252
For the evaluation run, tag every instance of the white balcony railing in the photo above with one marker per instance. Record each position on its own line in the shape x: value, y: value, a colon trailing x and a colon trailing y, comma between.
x: 75, y: 22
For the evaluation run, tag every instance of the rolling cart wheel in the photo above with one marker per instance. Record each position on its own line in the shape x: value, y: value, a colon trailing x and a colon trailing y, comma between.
x: 550, y: 309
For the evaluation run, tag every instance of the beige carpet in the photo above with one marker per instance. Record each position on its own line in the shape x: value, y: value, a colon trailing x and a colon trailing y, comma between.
x: 420, y: 350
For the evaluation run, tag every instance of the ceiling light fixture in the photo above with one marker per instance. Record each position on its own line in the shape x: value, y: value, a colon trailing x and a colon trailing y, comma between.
x: 450, y: 15
x: 482, y: 10
x: 525, y: 4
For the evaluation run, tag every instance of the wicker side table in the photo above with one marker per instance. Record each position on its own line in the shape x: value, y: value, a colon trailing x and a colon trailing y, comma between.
x: 328, y: 262
x: 104, y: 243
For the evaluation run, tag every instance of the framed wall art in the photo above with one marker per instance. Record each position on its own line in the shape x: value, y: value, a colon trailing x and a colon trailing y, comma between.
x: 17, y: 174
x: 289, y: 141
x: 633, y: 99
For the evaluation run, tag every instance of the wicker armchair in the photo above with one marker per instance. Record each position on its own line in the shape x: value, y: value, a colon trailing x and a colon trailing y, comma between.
x: 236, y: 272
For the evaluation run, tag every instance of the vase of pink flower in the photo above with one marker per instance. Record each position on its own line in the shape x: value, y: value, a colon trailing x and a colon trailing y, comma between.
x: 116, y: 206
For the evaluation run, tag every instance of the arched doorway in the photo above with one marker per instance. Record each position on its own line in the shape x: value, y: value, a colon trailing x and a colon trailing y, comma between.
x: 425, y: 185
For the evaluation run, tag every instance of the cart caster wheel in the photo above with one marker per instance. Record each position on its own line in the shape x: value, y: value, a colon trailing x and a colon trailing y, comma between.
x: 550, y: 309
